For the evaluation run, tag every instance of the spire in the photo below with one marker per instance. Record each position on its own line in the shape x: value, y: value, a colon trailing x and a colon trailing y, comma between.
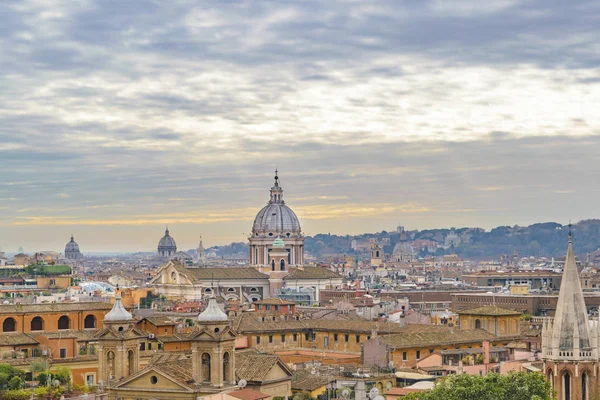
x: 167, y: 230
x: 72, y: 238
x: 276, y: 190
x: 571, y: 325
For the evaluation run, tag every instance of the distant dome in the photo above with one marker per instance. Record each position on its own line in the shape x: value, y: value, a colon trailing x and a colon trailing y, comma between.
x: 167, y: 246
x: 72, y: 250
x: 212, y: 313
x: 278, y: 242
x: 403, y: 249
x: 118, y: 312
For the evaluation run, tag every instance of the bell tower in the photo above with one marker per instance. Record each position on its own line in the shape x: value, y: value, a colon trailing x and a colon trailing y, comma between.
x: 118, y: 345
x: 213, y: 348
x: 570, y: 341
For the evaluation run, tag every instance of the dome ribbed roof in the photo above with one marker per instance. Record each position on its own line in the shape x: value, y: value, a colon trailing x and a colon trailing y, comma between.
x: 212, y: 313
x: 72, y: 246
x: 167, y: 241
x: 277, y: 218
x: 118, y: 312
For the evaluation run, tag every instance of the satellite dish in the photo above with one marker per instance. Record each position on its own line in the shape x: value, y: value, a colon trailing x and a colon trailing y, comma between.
x: 373, y: 393
x: 388, y: 385
x: 379, y: 398
x: 345, y: 393
x: 313, y: 371
x: 242, y: 383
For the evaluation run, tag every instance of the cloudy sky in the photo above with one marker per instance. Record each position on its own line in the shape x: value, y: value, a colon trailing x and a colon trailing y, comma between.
x: 119, y: 117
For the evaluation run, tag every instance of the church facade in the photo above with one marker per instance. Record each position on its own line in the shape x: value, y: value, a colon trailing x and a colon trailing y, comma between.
x: 571, y: 341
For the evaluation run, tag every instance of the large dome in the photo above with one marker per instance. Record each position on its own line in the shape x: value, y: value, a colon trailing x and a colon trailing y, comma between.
x: 277, y: 219
x: 72, y: 250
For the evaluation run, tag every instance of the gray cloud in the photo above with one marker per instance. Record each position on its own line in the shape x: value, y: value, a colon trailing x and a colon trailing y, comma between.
x: 110, y: 110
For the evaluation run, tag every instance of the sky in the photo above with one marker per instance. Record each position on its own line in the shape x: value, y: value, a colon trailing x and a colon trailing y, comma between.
x: 118, y: 118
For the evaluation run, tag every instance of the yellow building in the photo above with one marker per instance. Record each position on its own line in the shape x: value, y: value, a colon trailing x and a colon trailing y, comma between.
x: 131, y: 297
x: 53, y: 282
x: 496, y: 320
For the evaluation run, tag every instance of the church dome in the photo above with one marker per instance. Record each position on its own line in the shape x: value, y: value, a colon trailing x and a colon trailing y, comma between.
x: 72, y: 249
x: 278, y: 242
x: 167, y: 246
x: 118, y: 312
x: 212, y: 313
x: 403, y: 249
x: 167, y: 241
x: 276, y: 218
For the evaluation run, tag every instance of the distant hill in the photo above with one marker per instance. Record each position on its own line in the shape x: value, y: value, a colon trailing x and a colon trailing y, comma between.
x: 542, y: 239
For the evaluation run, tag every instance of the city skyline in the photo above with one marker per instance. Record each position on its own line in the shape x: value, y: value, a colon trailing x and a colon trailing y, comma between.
x: 116, y: 121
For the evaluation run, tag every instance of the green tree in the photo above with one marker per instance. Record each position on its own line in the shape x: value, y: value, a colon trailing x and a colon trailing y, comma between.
x: 514, y: 386
x: 15, y: 383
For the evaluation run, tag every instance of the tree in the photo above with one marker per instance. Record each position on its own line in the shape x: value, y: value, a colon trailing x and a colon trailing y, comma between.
x: 514, y: 386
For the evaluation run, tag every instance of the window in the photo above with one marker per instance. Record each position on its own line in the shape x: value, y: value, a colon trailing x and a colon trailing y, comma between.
x: 231, y: 290
x: 89, y: 322
x: 253, y: 290
x: 326, y: 342
x: 357, y: 338
x: 9, y: 325
x: 258, y: 340
x: 64, y: 322
x: 369, y: 337
x: 430, y: 351
x: 418, y: 357
x: 89, y: 380
x: 63, y: 353
x: 282, y: 338
x: 149, y: 346
x: 166, y: 330
x: 346, y: 338
x: 306, y: 336
x: 335, y: 337
x: 270, y: 338
x: 277, y: 308
x: 153, y: 379
x: 268, y: 307
x: 404, y: 356
x: 295, y: 337
x: 142, y: 346
x: 37, y: 324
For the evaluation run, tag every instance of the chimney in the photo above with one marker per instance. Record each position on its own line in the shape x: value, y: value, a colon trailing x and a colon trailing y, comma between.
x: 486, y: 352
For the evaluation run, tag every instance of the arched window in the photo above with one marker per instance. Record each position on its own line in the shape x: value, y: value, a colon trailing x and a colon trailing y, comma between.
x: 477, y: 324
x: 226, y: 377
x: 272, y: 265
x: 37, y: 324
x: 231, y: 290
x: 9, y: 325
x: 282, y: 265
x: 64, y: 322
x: 173, y: 276
x: 566, y: 387
x: 254, y: 290
x: 584, y: 386
x: 89, y: 322
x: 206, y: 367
x: 377, y: 254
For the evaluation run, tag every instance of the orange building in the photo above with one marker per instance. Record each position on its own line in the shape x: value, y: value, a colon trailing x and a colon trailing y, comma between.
x: 131, y: 297
x: 53, y: 282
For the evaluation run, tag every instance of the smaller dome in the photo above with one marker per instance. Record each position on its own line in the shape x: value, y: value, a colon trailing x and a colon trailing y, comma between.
x: 167, y: 241
x: 118, y: 312
x: 278, y: 242
x: 403, y: 249
x: 212, y: 313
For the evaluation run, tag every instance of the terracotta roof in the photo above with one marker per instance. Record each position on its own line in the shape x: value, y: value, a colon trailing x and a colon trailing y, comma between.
x: 248, y: 394
x: 308, y: 382
x: 489, y: 310
x: 80, y: 335
x: 180, y: 371
x: 16, y: 339
x: 172, y: 338
x: 275, y: 301
x: 203, y: 274
x: 255, y: 367
x: 312, y: 273
x: 251, y: 322
x: 158, y: 321
x: 426, y: 339
x: 53, y: 307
